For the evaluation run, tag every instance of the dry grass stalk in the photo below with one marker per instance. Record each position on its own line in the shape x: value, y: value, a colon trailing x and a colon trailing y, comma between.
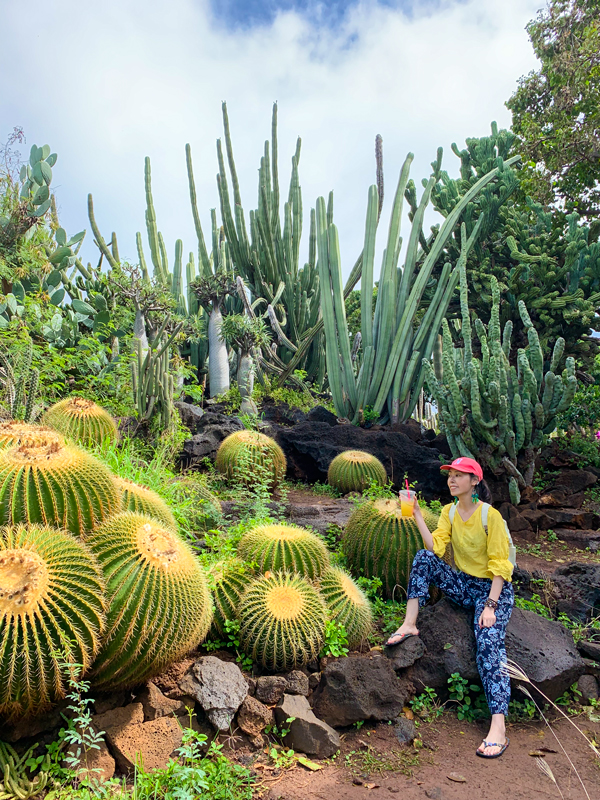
x: 545, y: 768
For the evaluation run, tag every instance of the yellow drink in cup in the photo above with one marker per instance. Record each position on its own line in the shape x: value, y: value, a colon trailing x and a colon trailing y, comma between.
x: 407, y: 503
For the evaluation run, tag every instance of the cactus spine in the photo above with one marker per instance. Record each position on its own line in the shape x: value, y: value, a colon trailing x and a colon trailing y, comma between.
x: 142, y: 500
x: 282, y: 621
x: 380, y: 543
x: 159, y: 604
x: 487, y: 407
x: 51, y: 483
x: 347, y: 605
x: 244, y: 453
x: 282, y: 547
x: 353, y: 470
x: 82, y: 420
x: 51, y: 602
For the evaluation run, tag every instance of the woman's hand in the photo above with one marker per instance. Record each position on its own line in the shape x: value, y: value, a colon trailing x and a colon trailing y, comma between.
x: 487, y: 618
x: 416, y: 508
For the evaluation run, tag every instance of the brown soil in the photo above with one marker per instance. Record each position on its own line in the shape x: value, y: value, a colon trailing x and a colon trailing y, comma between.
x: 373, y: 765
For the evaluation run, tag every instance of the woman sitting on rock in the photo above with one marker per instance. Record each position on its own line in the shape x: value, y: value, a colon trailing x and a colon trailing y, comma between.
x: 481, y: 581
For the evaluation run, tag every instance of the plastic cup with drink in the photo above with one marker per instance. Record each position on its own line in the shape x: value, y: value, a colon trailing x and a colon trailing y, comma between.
x: 407, y: 501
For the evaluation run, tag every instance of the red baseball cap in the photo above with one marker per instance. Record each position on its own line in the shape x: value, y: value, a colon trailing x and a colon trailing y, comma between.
x: 463, y: 464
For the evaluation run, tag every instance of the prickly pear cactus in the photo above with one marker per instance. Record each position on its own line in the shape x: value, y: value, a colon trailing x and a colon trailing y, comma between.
x: 283, y: 547
x: 282, y: 621
x: 159, y: 604
x: 143, y: 500
x: 51, y: 603
x: 51, y: 483
x: 347, y: 604
x: 380, y: 543
x: 230, y: 580
x: 82, y: 421
x: 245, y: 453
x: 353, y: 471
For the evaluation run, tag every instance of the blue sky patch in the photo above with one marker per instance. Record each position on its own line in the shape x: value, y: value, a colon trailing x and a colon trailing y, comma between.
x: 247, y: 13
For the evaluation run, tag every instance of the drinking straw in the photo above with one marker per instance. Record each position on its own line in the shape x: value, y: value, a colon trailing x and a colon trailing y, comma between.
x: 407, y: 487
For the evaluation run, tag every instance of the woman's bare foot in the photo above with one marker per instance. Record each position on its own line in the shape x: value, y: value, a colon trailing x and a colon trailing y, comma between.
x: 497, y: 734
x: 403, y: 631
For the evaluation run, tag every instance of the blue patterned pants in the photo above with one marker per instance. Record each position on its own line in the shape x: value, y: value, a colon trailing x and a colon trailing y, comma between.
x: 471, y: 592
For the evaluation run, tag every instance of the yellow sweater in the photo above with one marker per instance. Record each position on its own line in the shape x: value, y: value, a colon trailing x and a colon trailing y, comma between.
x: 475, y: 553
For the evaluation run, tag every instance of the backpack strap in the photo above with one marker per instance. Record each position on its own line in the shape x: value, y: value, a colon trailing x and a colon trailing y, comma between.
x: 451, y: 514
x: 512, y: 550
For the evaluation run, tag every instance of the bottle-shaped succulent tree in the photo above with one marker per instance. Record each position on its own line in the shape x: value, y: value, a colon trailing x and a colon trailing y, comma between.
x: 245, y: 335
x: 211, y: 291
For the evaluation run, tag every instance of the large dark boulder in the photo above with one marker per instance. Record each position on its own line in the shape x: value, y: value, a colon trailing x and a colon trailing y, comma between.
x: 578, y: 586
x: 190, y: 415
x: 211, y: 429
x: 542, y: 648
x: 360, y: 688
x: 311, y: 446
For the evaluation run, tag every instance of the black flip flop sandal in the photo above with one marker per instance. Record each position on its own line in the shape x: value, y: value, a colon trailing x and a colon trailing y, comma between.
x: 493, y: 744
x: 402, y: 638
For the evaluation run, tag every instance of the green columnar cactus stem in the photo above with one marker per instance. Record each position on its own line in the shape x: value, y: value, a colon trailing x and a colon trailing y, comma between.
x: 380, y: 543
x: 142, y: 500
x: 282, y: 621
x: 391, y: 375
x: 283, y: 547
x: 502, y: 421
x: 47, y: 482
x: 347, y: 605
x: 51, y: 602
x: 82, y: 420
x: 353, y: 470
x: 159, y: 604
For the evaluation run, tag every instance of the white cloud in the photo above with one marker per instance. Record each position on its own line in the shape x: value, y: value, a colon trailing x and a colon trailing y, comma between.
x: 107, y: 83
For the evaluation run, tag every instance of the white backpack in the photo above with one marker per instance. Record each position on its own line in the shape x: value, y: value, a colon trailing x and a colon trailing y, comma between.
x: 512, y: 550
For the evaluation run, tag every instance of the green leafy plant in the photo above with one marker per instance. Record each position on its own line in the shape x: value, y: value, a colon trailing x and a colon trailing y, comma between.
x: 336, y: 640
x: 469, y: 698
x: 427, y: 705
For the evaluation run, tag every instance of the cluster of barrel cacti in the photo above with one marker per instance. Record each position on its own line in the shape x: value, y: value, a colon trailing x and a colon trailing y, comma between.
x: 493, y: 411
x: 92, y: 572
x: 282, y: 590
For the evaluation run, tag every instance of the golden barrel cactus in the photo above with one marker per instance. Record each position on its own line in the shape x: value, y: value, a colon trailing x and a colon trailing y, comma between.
x: 230, y: 580
x: 353, y: 471
x: 82, y: 420
x: 347, y: 604
x: 49, y: 482
x: 282, y: 621
x: 380, y: 543
x: 51, y: 607
x: 246, y: 456
x: 143, y: 500
x: 14, y: 432
x: 159, y: 604
x: 283, y: 547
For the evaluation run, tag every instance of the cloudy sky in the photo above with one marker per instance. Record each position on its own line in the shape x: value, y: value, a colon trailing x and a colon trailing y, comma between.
x: 108, y: 83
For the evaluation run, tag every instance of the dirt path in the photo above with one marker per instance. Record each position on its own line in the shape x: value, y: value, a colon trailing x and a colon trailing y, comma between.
x: 384, y: 769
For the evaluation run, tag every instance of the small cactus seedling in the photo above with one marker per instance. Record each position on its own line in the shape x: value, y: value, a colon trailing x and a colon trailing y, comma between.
x: 82, y: 421
x: 283, y: 547
x: 353, y: 470
x: 282, y: 621
x: 244, y: 453
x: 143, y: 500
x: 51, y: 603
x: 51, y: 483
x: 347, y: 605
x: 159, y: 604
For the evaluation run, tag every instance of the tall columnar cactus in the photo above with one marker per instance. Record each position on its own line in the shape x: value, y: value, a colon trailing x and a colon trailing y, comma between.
x: 353, y: 471
x: 389, y: 374
x: 282, y: 547
x: 51, y: 483
x: 243, y: 453
x: 230, y: 580
x: 51, y: 605
x: 380, y: 543
x: 347, y: 605
x: 143, y: 500
x: 492, y: 410
x: 13, y: 432
x: 282, y: 621
x: 159, y: 604
x: 19, y: 382
x: 152, y: 382
x: 82, y: 420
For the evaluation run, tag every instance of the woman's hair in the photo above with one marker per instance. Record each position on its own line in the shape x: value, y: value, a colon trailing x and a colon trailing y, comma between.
x: 483, y: 490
